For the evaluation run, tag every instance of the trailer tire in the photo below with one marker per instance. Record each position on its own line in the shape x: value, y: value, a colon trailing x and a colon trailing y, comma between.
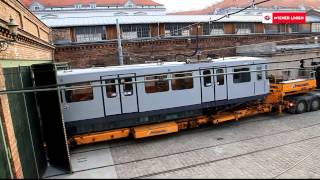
x: 315, y: 104
x: 301, y: 107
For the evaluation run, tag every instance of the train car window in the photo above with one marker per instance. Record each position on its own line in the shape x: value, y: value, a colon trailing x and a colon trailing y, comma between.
x: 241, y: 77
x: 184, y: 83
x: 266, y: 72
x: 259, y: 73
x: 78, y: 95
x: 158, y: 85
x: 207, y: 80
x: 111, y: 89
x: 128, y: 88
x: 220, y: 78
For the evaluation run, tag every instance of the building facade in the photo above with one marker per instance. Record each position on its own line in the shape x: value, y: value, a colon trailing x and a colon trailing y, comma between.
x: 45, y: 9
x: 33, y: 41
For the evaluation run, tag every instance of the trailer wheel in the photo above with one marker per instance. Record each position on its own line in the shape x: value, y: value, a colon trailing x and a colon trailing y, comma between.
x: 301, y: 107
x: 315, y: 105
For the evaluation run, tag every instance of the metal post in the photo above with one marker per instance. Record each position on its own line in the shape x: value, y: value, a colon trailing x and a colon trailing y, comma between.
x: 120, y: 53
x: 158, y: 29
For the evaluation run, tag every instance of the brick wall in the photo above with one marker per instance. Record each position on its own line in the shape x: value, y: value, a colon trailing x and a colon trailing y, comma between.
x: 33, y: 40
x: 94, y: 54
x: 61, y: 35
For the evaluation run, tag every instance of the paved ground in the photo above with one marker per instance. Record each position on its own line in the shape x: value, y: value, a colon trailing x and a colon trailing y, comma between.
x: 269, y: 146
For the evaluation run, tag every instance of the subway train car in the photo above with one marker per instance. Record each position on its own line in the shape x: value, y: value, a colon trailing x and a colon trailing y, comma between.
x: 132, y: 95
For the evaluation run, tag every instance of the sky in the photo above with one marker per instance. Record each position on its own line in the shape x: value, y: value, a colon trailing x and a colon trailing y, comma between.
x: 186, y: 5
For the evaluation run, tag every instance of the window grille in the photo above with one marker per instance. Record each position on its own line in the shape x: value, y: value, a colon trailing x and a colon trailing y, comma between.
x: 213, y: 29
x: 177, y: 30
x: 244, y: 28
x: 135, y: 31
x: 90, y: 34
x: 315, y: 27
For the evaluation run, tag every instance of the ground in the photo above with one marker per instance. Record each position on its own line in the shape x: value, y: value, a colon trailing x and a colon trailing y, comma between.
x: 267, y: 146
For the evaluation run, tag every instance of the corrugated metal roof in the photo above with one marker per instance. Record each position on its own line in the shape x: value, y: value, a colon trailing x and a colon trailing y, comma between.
x: 111, y: 20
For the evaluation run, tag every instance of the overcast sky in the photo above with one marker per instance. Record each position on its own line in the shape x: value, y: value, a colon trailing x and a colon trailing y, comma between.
x: 186, y: 5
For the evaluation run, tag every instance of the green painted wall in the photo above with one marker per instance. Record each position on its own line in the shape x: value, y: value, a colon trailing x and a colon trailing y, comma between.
x: 16, y: 63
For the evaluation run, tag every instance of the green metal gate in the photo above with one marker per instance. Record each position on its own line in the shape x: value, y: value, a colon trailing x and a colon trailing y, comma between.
x: 26, y: 122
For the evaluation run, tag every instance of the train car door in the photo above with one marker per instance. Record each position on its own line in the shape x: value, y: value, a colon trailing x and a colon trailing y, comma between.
x: 207, y: 85
x: 259, y: 81
x: 111, y: 95
x: 220, y: 84
x: 129, y: 94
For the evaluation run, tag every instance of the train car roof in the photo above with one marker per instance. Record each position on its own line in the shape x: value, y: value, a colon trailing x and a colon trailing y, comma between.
x: 152, y: 65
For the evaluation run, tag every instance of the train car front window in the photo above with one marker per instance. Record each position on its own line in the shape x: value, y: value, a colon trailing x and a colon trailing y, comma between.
x: 128, y: 88
x: 111, y: 88
x: 157, y: 84
x: 183, y: 83
x: 77, y: 95
x: 241, y: 77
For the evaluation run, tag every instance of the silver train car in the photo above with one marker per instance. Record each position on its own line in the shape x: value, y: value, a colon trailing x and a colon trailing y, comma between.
x: 159, y: 92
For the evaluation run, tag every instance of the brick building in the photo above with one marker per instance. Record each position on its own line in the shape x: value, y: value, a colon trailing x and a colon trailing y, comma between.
x: 32, y: 42
x: 91, y: 40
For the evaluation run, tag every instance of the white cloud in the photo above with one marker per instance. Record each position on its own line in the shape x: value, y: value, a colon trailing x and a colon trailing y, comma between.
x: 186, y: 5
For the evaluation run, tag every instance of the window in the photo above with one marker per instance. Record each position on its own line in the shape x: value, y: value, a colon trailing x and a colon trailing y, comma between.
x: 207, y: 79
x: 36, y: 8
x: 244, y: 28
x: 271, y: 28
x: 158, y: 84
x: 183, y: 83
x: 111, y: 89
x: 78, y: 95
x: 259, y: 73
x: 91, y: 33
x: 293, y: 28
x: 177, y: 30
x: 304, y: 28
x: 315, y: 27
x: 92, y: 6
x: 78, y: 6
x: 135, y: 31
x: 213, y: 29
x: 127, y: 88
x: 241, y: 77
x: 220, y: 78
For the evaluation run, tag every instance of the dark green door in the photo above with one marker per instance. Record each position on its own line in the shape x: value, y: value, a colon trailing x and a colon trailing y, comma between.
x: 5, y: 172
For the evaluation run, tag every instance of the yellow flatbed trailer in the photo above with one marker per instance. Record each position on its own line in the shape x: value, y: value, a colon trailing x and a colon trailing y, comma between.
x: 283, y: 95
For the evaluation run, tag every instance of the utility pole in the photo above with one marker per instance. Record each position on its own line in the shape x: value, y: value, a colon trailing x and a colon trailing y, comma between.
x: 120, y: 52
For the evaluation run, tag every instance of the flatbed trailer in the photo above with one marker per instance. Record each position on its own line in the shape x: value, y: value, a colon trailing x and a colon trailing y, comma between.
x: 295, y: 96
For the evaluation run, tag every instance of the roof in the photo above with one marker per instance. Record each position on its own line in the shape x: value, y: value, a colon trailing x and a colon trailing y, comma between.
x: 309, y: 4
x: 152, y: 65
x: 111, y: 20
x: 68, y: 3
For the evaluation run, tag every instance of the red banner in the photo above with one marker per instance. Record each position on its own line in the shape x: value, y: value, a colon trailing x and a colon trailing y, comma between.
x: 289, y: 18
